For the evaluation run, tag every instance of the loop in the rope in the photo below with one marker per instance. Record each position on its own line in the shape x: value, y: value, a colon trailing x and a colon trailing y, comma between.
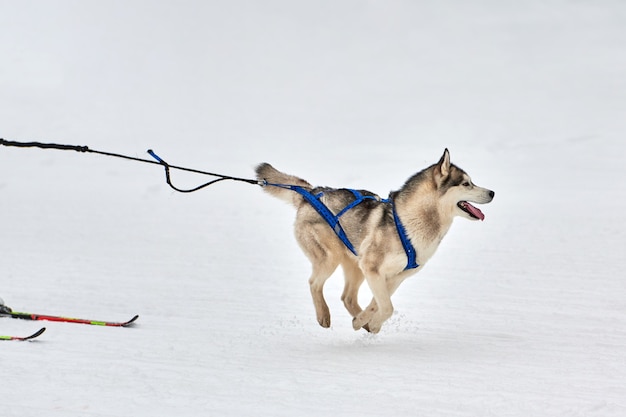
x: 168, y: 178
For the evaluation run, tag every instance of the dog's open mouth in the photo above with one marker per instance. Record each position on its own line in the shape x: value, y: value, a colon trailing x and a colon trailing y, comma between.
x: 471, y: 210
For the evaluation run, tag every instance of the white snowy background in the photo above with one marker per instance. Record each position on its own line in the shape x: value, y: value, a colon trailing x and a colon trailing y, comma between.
x: 523, y: 314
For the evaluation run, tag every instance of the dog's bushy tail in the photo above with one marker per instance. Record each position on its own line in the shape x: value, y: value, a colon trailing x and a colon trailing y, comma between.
x: 266, y: 172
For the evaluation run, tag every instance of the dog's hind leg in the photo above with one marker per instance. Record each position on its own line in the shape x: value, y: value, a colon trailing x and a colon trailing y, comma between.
x: 316, y: 241
x: 321, y: 272
x: 354, y: 278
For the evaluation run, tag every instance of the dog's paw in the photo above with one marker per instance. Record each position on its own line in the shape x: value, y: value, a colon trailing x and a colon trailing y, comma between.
x: 361, y: 321
x: 367, y: 322
x: 364, y: 318
x: 324, y: 321
x: 372, y: 328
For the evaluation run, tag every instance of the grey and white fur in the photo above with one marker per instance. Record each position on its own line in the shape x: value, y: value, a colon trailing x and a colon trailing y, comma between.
x: 426, y: 204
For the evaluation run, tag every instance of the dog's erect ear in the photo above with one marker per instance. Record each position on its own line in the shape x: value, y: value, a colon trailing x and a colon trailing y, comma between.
x: 444, y: 164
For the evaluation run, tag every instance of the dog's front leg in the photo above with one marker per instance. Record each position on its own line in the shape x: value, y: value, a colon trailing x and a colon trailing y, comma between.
x: 392, y: 285
x: 380, y: 309
x: 367, y: 314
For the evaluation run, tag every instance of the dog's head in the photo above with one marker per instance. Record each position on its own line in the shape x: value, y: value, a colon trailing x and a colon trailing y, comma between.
x: 457, y: 189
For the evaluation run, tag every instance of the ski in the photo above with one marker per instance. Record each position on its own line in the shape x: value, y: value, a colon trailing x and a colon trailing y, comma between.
x: 32, y: 336
x: 31, y: 316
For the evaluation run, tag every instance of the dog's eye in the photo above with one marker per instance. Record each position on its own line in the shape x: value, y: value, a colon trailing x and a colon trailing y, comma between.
x: 466, y: 184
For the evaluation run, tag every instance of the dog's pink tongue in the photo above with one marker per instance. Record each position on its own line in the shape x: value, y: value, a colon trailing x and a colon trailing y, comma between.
x: 475, y: 211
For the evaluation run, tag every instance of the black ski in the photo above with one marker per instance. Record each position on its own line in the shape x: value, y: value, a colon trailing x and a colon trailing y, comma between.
x: 31, y: 337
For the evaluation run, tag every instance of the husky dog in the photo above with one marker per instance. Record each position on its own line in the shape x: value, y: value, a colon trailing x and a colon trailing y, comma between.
x: 380, y: 235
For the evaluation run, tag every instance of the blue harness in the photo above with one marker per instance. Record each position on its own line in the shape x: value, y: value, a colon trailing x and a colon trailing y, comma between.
x: 333, y: 220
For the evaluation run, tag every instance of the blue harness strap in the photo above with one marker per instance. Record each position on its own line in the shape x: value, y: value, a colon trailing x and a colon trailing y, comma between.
x: 333, y: 220
x: 411, y: 254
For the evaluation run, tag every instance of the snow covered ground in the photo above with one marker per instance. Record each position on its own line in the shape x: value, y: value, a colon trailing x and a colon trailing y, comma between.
x: 523, y: 314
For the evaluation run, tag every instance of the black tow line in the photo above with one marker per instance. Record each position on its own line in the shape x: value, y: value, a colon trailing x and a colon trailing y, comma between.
x: 325, y: 212
x: 158, y: 161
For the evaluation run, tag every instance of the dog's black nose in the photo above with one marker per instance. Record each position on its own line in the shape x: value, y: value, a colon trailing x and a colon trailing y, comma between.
x: 492, y: 194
